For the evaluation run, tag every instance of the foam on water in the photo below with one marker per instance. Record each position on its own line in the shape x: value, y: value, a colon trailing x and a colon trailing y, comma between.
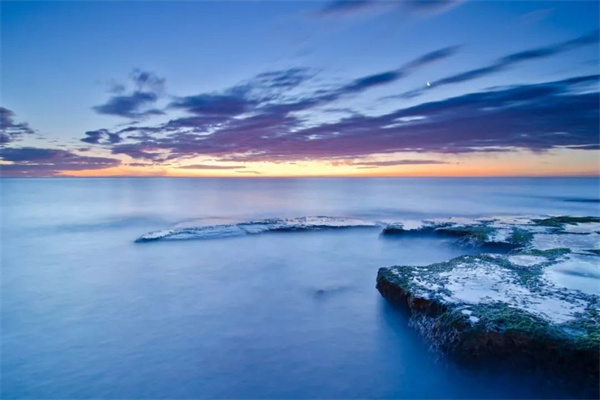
x: 256, y: 227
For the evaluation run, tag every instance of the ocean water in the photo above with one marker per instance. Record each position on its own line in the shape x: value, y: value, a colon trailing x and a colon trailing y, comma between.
x: 88, y: 312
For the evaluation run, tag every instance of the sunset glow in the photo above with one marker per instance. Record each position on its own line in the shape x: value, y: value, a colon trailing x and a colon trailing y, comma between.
x: 398, y: 102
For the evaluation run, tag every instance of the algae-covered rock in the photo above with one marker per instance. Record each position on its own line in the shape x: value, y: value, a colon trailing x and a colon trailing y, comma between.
x: 535, y: 306
x: 510, y: 232
x: 562, y: 221
x: 500, y: 308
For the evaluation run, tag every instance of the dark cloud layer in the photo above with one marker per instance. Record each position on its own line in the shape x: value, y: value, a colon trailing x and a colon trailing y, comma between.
x: 342, y: 7
x: 509, y: 61
x: 268, y: 96
x: 349, y: 7
x: 231, y: 103
x: 367, y: 82
x: 537, y: 117
x: 101, y: 136
x: 261, y: 107
x: 11, y: 130
x: 262, y: 89
x: 265, y: 119
x: 33, y: 161
x: 387, y: 77
x: 137, y: 104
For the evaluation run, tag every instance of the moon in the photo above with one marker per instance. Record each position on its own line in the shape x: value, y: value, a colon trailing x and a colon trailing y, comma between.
x: 428, y: 84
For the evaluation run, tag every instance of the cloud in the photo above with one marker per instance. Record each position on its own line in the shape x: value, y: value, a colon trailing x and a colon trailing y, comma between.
x: 139, y: 150
x: 430, y: 57
x: 369, y: 81
x: 266, y: 93
x: 397, y: 163
x: 34, y: 161
x: 287, y: 79
x: 137, y: 104
x: 537, y: 117
x: 536, y: 16
x: 261, y: 107
x: 228, y: 104
x: 145, y: 81
x: 9, y: 129
x: 115, y: 87
x: 97, y: 136
x: 509, y: 61
x: 208, y: 166
x: 129, y: 106
x: 260, y: 90
x: 342, y: 8
x: 431, y: 6
x: 543, y: 52
x: 266, y: 118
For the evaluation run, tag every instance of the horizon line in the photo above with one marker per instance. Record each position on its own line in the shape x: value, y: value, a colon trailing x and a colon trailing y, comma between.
x: 300, y: 176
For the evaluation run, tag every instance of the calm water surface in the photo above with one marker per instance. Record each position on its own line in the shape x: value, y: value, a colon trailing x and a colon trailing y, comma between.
x: 88, y: 313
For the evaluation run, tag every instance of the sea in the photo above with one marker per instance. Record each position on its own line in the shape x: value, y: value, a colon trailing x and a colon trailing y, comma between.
x: 88, y: 311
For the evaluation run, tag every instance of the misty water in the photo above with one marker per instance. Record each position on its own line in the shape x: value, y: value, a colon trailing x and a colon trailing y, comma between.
x: 88, y: 313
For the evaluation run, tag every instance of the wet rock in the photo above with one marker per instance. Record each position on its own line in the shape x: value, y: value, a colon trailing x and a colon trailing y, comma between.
x: 535, y: 307
x: 510, y: 232
x: 486, y: 308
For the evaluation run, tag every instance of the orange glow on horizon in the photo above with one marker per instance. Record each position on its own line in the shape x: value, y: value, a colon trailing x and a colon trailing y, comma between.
x: 127, y: 172
x: 558, y: 163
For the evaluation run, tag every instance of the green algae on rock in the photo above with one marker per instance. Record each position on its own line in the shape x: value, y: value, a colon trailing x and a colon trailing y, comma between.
x: 511, y: 232
x: 501, y: 308
x: 537, y: 305
x: 563, y: 220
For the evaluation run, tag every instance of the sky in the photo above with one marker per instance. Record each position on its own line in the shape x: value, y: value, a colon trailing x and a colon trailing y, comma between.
x: 299, y: 88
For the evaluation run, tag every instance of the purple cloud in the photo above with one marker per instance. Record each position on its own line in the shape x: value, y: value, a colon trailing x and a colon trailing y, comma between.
x: 387, y: 77
x: 263, y: 120
x: 229, y: 104
x: 148, y: 87
x: 509, y: 61
x: 139, y: 150
x: 33, y: 161
x: 349, y: 7
x: 266, y: 92
x: 9, y: 129
x: 342, y: 8
x: 262, y: 89
x: 102, y: 136
x: 259, y: 107
x: 534, y: 117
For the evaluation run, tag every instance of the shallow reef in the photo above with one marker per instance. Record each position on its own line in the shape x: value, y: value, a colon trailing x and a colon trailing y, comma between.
x: 222, y: 231
x: 511, y: 232
x: 534, y: 306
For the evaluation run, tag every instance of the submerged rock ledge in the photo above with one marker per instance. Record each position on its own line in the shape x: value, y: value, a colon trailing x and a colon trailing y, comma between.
x: 580, y: 234
x: 512, y: 308
x: 256, y: 227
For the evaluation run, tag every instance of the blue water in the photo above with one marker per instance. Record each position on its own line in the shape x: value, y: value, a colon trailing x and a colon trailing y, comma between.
x: 88, y: 313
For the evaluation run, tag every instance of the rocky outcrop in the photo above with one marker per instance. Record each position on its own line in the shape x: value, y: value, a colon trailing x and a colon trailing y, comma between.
x: 537, y: 306
x: 510, y: 232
